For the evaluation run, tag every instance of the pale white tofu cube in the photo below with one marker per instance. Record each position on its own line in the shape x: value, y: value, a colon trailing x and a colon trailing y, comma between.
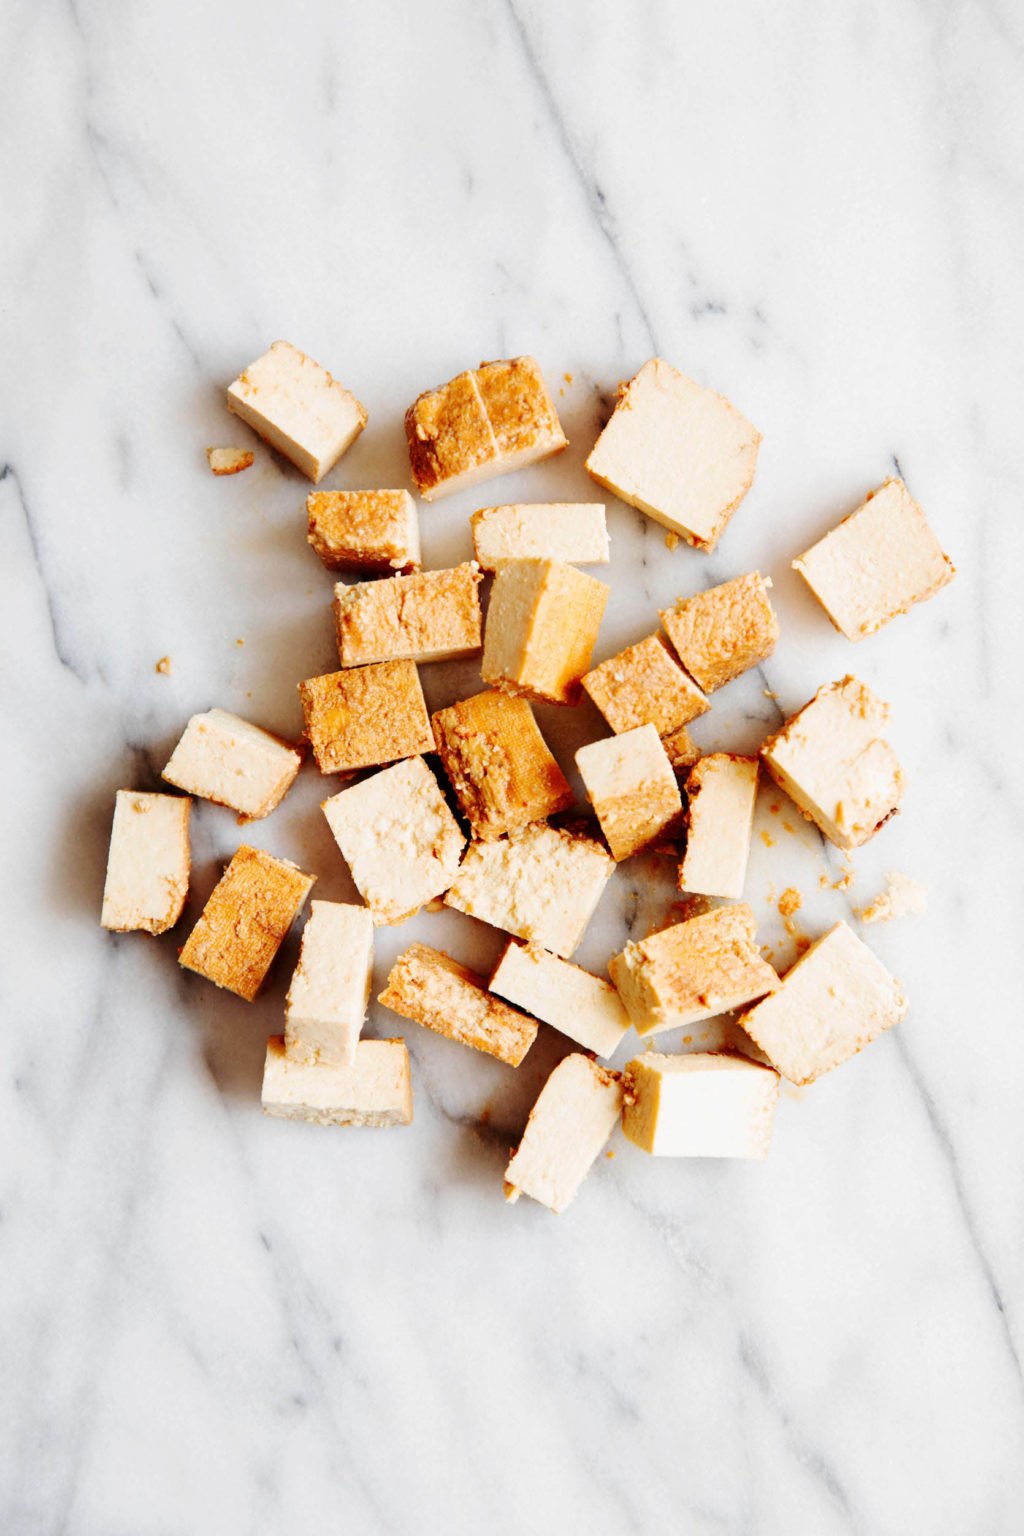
x: 567, y: 1129
x: 376, y: 1090
x: 148, y: 863
x: 224, y: 758
x: 721, y: 790
x: 330, y: 988
x: 579, y: 1005
x: 700, y: 1104
x: 299, y: 409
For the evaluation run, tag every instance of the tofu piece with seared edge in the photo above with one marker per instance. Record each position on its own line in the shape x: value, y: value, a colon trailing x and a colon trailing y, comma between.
x: 557, y: 530
x: 645, y: 685
x: 721, y: 791
x: 244, y: 922
x: 569, y: 1126
x: 581, y: 1006
x: 330, y: 988
x: 148, y: 862
x: 700, y: 1104
x: 363, y: 717
x: 224, y: 758
x: 376, y: 1090
x: 373, y: 531
x: 428, y: 616
x: 498, y: 763
x: 430, y: 988
x: 542, y: 626
x: 298, y: 408
x: 721, y: 633
x: 633, y: 789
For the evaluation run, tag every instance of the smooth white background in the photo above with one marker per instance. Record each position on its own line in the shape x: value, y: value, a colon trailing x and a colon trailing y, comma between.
x: 214, y: 1322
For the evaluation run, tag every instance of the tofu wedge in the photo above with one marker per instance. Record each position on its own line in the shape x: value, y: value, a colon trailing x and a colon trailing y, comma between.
x: 330, y: 988
x: 364, y: 717
x: 498, y: 763
x: 581, y: 1006
x: 542, y: 626
x: 299, y: 409
x: 721, y: 791
x: 700, y: 1104
x: 373, y: 531
x: 430, y: 988
x: 223, y: 758
x: 723, y: 632
x: 645, y: 685
x: 633, y: 789
x: 568, y: 1127
x: 376, y: 1090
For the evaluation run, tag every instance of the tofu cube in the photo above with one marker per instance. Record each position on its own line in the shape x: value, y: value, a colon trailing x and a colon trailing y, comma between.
x: 835, y: 1001
x: 877, y: 563
x: 693, y: 970
x: 223, y: 758
x: 374, y: 531
x: 243, y: 924
x: 645, y: 685
x: 680, y: 749
x: 330, y: 988
x: 540, y: 884
x: 428, y: 616
x: 498, y: 763
x: 632, y: 788
x: 833, y: 762
x: 721, y: 791
x: 571, y: 531
x: 720, y: 633
x: 148, y: 863
x: 542, y: 625
x: 362, y: 717
x: 700, y: 1104
x: 298, y: 408
x: 399, y: 839
x: 376, y: 1090
x: 678, y: 452
x: 229, y: 461
x: 481, y: 424
x: 568, y: 1127
x: 432, y: 989
x: 579, y: 1005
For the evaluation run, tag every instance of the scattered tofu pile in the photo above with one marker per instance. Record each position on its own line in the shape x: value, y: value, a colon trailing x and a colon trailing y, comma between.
x: 686, y: 457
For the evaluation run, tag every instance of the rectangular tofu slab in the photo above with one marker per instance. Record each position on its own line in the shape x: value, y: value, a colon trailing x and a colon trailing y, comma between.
x: 432, y: 989
x: 833, y: 762
x: 831, y: 1004
x: 363, y: 717
x: 678, y: 452
x: 721, y: 791
x: 568, y: 1127
x: 373, y: 531
x: 428, y: 616
x: 376, y: 1090
x: 571, y: 1000
x: 542, y: 626
x: 330, y: 988
x: 243, y: 924
x: 693, y: 970
x: 722, y: 632
x: 148, y: 862
x: 555, y: 530
x: 700, y: 1104
x: 298, y: 408
x: 498, y: 763
x: 877, y: 563
x: 645, y: 685
x: 633, y: 789
x: 224, y: 758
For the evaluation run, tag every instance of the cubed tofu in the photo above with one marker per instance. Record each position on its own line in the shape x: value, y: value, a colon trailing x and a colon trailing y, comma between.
x: 877, y: 563
x: 373, y: 531
x: 229, y: 461
x: 579, y: 1005
x: 243, y: 924
x: 428, y: 616
x: 720, y: 795
x: 558, y: 530
x: 540, y: 884
x: 298, y: 408
x: 148, y: 863
x: 481, y: 424
x: 363, y: 717
x: 835, y: 1001
x: 700, y: 1104
x: 432, y: 989
x: 542, y: 625
x: 832, y: 760
x: 399, y: 839
x: 680, y: 749
x: 720, y: 633
x: 678, y: 452
x: 645, y: 685
x: 376, y: 1090
x: 330, y: 988
x: 568, y: 1127
x: 633, y: 789
x: 498, y: 763
x: 224, y: 758
x: 693, y: 970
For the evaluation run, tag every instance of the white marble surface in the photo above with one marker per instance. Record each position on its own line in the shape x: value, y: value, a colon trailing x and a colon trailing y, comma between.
x: 216, y: 1322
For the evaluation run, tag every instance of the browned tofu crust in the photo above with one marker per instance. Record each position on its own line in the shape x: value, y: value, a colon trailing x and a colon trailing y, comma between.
x: 409, y: 617
x: 554, y: 628
x: 366, y: 716
x: 499, y: 764
x: 430, y: 988
x: 518, y: 406
x: 361, y: 530
x: 645, y: 685
x: 720, y: 633
x: 680, y: 749
x: 242, y: 926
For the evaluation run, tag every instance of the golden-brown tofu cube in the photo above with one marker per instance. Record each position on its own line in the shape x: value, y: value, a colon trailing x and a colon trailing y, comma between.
x: 374, y: 531
x: 720, y: 633
x: 243, y: 924
x: 542, y: 625
x: 363, y: 717
x: 432, y: 989
x: 645, y: 685
x: 498, y: 763
x: 428, y: 616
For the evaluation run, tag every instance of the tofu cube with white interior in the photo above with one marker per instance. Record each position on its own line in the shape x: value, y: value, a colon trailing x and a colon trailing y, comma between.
x: 569, y: 1125
x: 579, y: 1005
x: 330, y: 989
x: 148, y: 862
x: 633, y: 789
x: 573, y: 531
x: 224, y: 758
x: 721, y: 791
x: 299, y: 409
x: 700, y: 1104
x: 376, y: 1090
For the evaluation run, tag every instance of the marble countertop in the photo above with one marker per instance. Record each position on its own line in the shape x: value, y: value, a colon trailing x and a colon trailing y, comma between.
x: 216, y: 1322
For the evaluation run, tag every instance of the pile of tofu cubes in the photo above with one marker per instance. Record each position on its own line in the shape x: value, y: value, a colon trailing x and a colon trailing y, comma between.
x: 686, y: 457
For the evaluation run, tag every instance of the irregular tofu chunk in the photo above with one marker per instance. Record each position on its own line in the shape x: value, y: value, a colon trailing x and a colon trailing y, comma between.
x: 362, y: 717
x: 148, y: 863
x: 571, y: 531
x: 375, y: 531
x: 571, y: 1000
x: 700, y: 1104
x: 429, y: 616
x: 244, y: 922
x: 540, y: 883
x: 399, y: 839
x: 376, y: 1090
x: 432, y: 989
x: 229, y: 461
x: 901, y: 897
x: 678, y: 452
x: 721, y: 791
x: 632, y: 788
x: 498, y: 763
x: 835, y: 1001
x: 330, y: 988
x: 481, y: 424
x: 542, y: 625
x: 568, y: 1126
x: 680, y: 749
x: 644, y: 685
x: 832, y: 760
x: 223, y: 758
x: 877, y: 563
x: 298, y: 408
x: 720, y: 633
x: 693, y: 970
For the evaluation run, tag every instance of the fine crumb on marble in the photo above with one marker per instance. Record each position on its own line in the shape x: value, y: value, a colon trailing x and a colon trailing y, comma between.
x: 900, y: 897
x: 770, y: 693
x: 790, y: 903
x: 240, y: 640
x: 163, y: 666
x: 229, y: 461
x: 671, y: 541
x: 767, y: 839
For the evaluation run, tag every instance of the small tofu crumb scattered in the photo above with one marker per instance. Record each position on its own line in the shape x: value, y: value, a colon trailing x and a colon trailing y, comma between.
x: 163, y: 666
x: 568, y: 1127
x: 901, y: 897
x: 790, y: 903
x: 671, y: 541
x: 229, y: 461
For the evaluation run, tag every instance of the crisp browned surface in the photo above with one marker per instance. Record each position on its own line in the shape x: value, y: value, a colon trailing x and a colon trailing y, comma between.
x: 364, y: 716
x: 644, y: 685
x: 448, y: 432
x: 360, y: 530
x: 249, y: 912
x: 409, y: 616
x: 432, y: 989
x: 499, y: 764
x: 518, y: 406
x: 720, y: 633
x: 680, y: 749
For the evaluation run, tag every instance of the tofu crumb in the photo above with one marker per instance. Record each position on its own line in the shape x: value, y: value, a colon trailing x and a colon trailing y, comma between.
x: 229, y: 461
x: 163, y: 666
x: 767, y: 839
x: 900, y: 897
x: 240, y: 641
x: 790, y: 903
x: 671, y: 541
